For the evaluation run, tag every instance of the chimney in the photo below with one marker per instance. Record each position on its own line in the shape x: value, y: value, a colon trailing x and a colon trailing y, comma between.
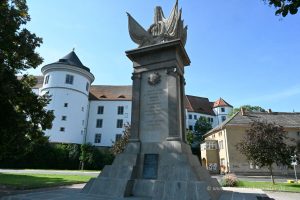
x: 269, y: 110
x: 242, y: 111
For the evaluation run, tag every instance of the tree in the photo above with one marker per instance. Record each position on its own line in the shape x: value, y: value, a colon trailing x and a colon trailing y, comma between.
x: 189, y: 136
x: 23, y: 115
x: 264, y: 145
x: 119, y: 145
x: 284, y: 7
x: 247, y: 108
x: 202, y: 126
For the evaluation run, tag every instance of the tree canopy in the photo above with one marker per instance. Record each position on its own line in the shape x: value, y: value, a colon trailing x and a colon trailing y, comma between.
x: 23, y: 115
x: 284, y: 7
x: 119, y: 145
x: 264, y: 145
x: 202, y: 126
x: 247, y: 108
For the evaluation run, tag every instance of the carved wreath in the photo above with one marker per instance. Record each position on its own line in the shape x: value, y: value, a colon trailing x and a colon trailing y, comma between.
x: 154, y: 78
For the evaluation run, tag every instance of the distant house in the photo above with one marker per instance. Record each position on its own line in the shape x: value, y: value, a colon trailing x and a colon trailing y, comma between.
x: 219, y: 153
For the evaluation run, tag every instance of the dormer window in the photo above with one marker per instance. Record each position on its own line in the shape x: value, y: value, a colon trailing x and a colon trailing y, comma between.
x: 69, y: 79
x: 103, y: 96
x: 121, y: 96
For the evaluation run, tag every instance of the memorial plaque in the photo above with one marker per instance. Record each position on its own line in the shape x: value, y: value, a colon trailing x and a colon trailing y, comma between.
x: 150, y: 166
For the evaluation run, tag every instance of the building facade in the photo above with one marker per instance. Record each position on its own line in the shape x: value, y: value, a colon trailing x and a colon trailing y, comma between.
x: 219, y: 153
x: 96, y: 114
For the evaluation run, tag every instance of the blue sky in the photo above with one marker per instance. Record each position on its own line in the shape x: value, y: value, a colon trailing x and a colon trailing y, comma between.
x: 239, y: 50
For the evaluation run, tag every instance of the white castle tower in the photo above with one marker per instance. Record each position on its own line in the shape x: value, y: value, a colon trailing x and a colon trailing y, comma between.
x: 68, y: 82
x: 222, y: 109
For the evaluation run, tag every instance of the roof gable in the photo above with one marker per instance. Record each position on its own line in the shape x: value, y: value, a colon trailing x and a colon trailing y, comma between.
x: 221, y: 102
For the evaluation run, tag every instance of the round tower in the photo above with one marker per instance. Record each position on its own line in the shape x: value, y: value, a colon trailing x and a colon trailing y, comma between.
x: 222, y: 109
x: 68, y: 82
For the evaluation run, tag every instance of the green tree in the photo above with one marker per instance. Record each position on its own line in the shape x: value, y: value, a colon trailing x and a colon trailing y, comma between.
x: 119, y: 145
x: 284, y: 7
x: 189, y: 136
x: 247, y: 108
x: 23, y: 117
x: 202, y: 126
x: 264, y: 145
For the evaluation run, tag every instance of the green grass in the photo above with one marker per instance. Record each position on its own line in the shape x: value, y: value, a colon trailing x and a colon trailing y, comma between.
x: 284, y: 187
x: 31, y: 181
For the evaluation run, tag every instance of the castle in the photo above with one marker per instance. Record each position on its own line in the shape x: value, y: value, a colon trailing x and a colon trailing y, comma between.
x: 96, y: 114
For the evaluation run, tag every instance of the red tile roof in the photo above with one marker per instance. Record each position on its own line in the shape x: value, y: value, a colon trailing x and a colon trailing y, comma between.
x: 221, y: 102
x: 110, y: 92
x: 199, y: 105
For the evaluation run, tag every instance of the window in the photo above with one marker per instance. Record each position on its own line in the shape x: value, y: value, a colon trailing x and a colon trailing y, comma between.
x: 65, y: 104
x: 97, y: 138
x: 87, y: 86
x: 69, y: 79
x: 82, y: 122
x: 298, y: 133
x: 62, y: 129
x: 195, y: 117
x: 223, y: 118
x: 120, y: 123
x: 190, y: 128
x: 222, y: 109
x: 211, y: 145
x: 64, y: 118
x: 99, y: 123
x: 211, y: 120
x: 118, y: 137
x: 190, y: 116
x: 221, y: 144
x: 120, y: 110
x: 222, y: 162
x: 82, y: 108
x: 47, y: 79
x: 100, y: 110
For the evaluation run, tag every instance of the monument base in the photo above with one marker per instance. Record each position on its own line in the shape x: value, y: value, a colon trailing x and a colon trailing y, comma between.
x: 172, y: 172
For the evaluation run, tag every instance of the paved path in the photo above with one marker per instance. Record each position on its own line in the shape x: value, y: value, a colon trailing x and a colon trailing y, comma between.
x: 41, y: 171
x: 278, y: 179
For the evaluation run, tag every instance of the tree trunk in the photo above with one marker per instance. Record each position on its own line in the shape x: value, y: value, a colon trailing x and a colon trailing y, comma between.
x: 271, y: 172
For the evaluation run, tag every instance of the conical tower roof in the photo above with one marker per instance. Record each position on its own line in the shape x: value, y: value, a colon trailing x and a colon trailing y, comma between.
x: 73, y: 60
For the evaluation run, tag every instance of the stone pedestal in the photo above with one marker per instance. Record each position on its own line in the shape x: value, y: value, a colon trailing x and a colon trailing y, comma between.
x: 157, y: 163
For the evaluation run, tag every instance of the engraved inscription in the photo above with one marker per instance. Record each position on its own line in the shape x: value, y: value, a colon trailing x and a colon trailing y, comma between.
x: 150, y: 166
x: 153, y: 110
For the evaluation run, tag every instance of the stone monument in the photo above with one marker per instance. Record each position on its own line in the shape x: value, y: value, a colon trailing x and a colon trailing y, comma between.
x: 157, y: 163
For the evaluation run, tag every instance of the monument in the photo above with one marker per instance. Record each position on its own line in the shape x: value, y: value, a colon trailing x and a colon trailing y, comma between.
x: 157, y: 163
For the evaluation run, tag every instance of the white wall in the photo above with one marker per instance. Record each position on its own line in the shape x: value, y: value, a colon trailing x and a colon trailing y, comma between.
x: 75, y: 113
x: 109, y: 128
x: 219, y: 113
x: 75, y: 95
x: 58, y: 78
x: 191, y: 122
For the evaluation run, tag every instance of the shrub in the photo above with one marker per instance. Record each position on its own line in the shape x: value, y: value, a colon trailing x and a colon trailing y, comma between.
x: 229, y: 180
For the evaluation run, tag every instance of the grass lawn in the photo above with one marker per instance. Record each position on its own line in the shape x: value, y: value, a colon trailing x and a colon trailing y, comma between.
x: 30, y: 181
x: 287, y: 187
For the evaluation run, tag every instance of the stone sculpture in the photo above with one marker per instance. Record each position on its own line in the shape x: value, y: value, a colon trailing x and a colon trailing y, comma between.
x: 161, y: 30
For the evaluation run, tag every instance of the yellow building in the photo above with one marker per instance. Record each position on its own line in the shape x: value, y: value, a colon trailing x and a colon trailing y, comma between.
x: 219, y: 153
